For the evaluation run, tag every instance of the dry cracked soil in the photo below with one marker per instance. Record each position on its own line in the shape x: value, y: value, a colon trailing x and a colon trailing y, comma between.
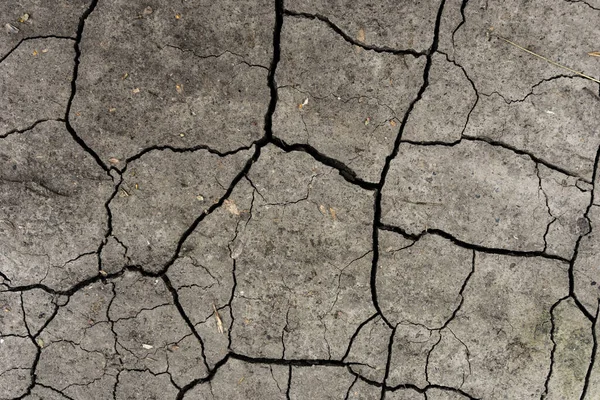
x: 299, y: 199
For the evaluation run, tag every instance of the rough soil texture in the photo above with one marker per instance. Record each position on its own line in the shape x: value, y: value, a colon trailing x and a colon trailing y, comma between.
x: 305, y: 199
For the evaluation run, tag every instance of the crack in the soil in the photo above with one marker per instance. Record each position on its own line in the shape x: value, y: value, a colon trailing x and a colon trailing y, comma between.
x: 346, y: 172
x: 77, y: 46
x: 289, y: 383
x: 463, y: 6
x: 410, y: 386
x: 15, y: 47
x: 498, y: 143
x: 586, y: 215
x: 234, y: 266
x: 388, y: 363
x: 109, y: 217
x: 355, y: 334
x: 553, y: 350
x: 541, y: 189
x: 349, y: 39
x: 265, y: 361
x: 532, y: 90
x: 588, y: 374
x: 208, y: 212
x: 347, y: 396
x: 583, y: 2
x: 213, y: 55
x: 185, y: 317
x: 461, y: 294
x: 184, y: 150
x: 59, y: 392
x: 30, y: 127
x: 430, y: 387
x: 471, y: 246
x: 471, y: 82
x: 272, y: 83
x: 38, y: 354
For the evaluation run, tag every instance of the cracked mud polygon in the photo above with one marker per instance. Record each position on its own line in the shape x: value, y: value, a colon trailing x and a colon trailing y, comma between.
x: 299, y: 199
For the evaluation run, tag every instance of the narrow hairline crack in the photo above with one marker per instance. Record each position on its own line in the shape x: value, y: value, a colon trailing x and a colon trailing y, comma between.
x: 592, y: 364
x: 583, y: 2
x: 30, y: 127
x: 207, y: 56
x: 553, y: 350
x: 15, y: 47
x: 498, y: 143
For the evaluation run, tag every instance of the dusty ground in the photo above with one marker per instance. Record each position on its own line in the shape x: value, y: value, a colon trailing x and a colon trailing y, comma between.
x: 311, y: 200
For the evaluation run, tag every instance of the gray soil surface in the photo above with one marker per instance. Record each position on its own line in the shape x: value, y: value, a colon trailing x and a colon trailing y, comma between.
x: 305, y: 199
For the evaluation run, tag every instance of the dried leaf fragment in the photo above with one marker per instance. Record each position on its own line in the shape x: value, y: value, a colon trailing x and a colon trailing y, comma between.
x: 231, y: 207
x: 301, y: 105
x: 360, y: 37
x: 393, y: 123
x: 35, y: 53
x: 218, y: 318
x: 136, y: 90
x: 594, y: 53
x: 333, y: 213
x: 148, y: 10
x: 177, y: 16
x: 23, y: 18
x: 179, y: 88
